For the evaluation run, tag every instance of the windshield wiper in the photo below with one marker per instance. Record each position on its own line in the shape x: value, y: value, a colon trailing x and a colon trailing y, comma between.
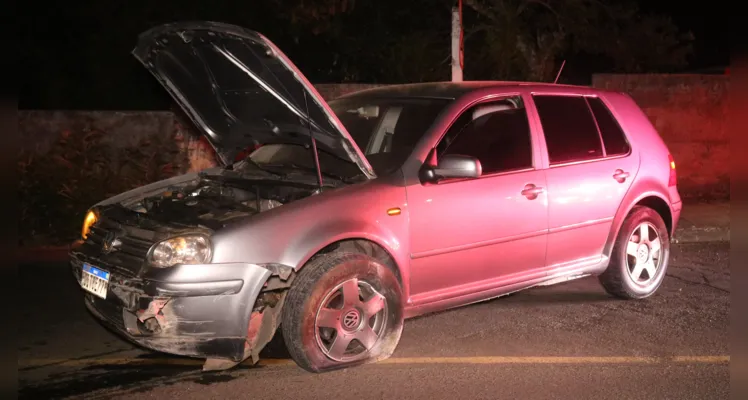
x: 247, y: 183
x: 254, y: 163
x: 314, y: 170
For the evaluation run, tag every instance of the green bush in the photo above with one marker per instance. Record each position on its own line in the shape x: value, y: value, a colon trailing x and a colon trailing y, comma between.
x: 57, y: 188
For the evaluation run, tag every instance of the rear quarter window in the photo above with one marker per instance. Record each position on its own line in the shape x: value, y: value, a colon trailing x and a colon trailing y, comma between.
x: 613, y: 136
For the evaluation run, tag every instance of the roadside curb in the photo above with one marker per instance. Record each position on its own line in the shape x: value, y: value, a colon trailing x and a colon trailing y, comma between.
x: 702, y: 235
x: 704, y: 222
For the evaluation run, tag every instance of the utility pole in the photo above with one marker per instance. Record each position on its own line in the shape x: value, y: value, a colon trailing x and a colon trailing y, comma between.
x: 457, y: 43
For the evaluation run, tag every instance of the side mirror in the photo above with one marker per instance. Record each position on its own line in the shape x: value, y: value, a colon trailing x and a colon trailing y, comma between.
x: 453, y: 166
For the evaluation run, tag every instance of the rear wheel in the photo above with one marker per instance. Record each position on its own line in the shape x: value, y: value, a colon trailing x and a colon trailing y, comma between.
x: 640, y: 256
x: 344, y: 309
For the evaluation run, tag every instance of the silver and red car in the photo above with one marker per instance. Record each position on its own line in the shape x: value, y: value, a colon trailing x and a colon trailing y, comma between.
x: 355, y: 214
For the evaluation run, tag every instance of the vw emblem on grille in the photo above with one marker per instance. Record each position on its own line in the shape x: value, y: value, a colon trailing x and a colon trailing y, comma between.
x: 110, y: 242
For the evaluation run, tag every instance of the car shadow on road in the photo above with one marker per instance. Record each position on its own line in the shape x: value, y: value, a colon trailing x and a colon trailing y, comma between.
x: 144, y: 373
x: 89, y: 380
x: 104, y: 381
x: 534, y: 297
x: 548, y: 296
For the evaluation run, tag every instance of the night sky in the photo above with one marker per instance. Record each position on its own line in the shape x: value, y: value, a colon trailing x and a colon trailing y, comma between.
x: 77, y: 55
x: 712, y: 43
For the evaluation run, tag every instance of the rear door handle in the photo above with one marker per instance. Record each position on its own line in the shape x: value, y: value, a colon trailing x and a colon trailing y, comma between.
x: 531, y: 191
x: 620, y: 175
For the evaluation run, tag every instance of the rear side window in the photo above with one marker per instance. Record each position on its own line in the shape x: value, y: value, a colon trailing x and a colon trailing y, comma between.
x: 570, y: 130
x: 613, y: 136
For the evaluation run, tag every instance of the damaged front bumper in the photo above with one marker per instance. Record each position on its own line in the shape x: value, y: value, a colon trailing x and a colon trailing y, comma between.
x: 223, y: 312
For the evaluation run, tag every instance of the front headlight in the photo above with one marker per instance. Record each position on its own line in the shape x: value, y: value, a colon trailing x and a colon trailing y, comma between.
x: 191, y: 249
x: 88, y: 221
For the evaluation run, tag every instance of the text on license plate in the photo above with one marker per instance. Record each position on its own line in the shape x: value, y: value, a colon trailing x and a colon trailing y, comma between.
x: 94, y: 280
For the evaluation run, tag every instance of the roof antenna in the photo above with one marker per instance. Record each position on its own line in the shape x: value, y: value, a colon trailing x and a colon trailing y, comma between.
x: 558, y: 75
x: 314, y: 142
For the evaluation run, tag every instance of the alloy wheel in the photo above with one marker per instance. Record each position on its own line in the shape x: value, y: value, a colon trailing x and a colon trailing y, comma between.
x: 350, y: 320
x: 643, y: 254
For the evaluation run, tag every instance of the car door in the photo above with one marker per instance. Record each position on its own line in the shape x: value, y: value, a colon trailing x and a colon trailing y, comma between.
x: 591, y: 167
x: 470, y: 234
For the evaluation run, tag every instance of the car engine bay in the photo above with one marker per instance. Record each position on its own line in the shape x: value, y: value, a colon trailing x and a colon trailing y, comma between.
x: 215, y: 201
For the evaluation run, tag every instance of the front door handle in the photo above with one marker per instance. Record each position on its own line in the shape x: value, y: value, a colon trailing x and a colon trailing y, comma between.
x: 620, y: 175
x: 531, y: 191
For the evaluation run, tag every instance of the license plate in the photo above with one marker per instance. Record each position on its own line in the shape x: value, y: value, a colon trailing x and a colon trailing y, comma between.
x: 94, y: 280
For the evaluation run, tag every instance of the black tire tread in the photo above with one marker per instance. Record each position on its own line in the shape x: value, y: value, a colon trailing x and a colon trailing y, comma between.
x: 295, y: 302
x: 304, y: 283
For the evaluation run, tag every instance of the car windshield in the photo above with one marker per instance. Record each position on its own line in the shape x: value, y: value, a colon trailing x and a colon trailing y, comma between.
x: 387, y: 129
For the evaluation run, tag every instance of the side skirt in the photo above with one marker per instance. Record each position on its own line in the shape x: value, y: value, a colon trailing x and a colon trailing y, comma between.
x: 551, y: 276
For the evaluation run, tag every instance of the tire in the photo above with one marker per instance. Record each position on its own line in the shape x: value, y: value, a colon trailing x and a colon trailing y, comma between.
x: 622, y: 279
x: 310, y: 340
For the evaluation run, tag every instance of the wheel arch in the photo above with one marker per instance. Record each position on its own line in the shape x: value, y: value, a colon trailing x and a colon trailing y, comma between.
x: 662, y: 208
x: 653, y: 200
x: 370, y: 246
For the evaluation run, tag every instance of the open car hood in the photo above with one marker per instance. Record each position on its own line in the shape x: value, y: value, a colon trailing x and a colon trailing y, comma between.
x: 241, y: 90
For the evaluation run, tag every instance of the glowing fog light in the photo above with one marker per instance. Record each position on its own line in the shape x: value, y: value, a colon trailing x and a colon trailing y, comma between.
x: 193, y: 249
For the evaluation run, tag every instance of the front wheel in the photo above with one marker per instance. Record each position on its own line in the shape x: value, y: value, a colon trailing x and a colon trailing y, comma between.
x: 344, y: 309
x: 640, y: 256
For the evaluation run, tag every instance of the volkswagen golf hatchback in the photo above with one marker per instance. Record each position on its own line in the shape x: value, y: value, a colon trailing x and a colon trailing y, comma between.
x: 349, y: 216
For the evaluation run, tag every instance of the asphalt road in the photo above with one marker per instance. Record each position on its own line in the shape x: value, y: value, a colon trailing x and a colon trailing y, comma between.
x: 564, y: 341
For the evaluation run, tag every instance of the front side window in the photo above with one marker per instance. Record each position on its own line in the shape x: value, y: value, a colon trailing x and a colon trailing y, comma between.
x: 497, y: 133
x: 569, y: 128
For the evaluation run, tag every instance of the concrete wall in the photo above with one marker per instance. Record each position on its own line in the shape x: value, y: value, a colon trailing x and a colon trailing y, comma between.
x: 690, y: 113
x: 42, y: 129
x: 123, y: 129
x: 688, y: 110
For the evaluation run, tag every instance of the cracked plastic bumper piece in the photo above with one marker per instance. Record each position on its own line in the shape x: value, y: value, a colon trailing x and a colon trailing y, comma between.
x: 190, y: 310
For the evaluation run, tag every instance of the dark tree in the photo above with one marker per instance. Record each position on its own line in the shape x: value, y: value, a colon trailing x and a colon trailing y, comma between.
x: 77, y: 55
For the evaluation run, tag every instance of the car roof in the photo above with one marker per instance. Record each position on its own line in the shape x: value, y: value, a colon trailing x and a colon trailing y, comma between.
x: 454, y: 90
